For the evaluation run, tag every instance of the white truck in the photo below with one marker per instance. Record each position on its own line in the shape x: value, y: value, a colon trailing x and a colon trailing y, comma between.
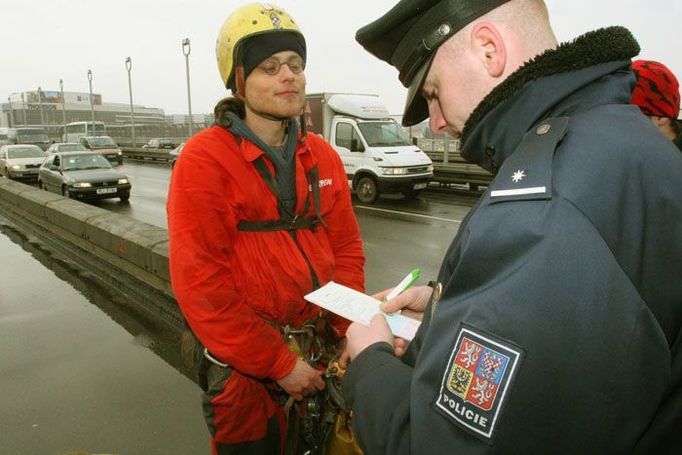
x: 376, y: 153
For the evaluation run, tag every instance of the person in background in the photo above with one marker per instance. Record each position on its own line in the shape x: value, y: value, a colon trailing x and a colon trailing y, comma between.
x: 260, y: 214
x: 657, y: 94
x: 555, y: 325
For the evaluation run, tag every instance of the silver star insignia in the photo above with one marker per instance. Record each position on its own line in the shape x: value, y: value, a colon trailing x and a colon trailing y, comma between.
x: 518, y: 176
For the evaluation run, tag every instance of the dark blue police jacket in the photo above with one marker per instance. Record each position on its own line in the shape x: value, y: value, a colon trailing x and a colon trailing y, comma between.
x: 558, y: 327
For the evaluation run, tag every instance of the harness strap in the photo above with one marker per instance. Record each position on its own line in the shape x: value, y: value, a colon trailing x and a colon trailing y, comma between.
x: 291, y: 222
x: 316, y: 195
x: 271, y: 182
x: 277, y: 225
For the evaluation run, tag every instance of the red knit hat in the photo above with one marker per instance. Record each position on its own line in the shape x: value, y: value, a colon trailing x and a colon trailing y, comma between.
x: 657, y: 91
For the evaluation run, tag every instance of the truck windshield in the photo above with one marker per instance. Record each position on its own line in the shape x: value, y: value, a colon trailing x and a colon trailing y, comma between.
x: 383, y: 134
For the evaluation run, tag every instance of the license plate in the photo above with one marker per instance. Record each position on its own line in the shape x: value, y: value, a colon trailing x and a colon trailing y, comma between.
x: 106, y: 190
x: 419, y: 186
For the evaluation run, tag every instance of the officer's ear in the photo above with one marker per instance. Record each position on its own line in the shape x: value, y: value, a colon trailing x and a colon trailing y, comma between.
x: 488, y: 46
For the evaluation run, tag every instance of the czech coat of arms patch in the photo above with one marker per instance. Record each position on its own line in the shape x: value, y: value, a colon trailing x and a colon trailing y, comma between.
x: 477, y: 379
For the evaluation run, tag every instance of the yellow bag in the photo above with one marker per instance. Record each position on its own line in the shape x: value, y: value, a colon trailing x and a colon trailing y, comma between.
x: 341, y: 440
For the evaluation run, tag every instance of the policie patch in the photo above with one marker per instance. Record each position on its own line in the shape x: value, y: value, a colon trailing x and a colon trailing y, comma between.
x: 477, y: 381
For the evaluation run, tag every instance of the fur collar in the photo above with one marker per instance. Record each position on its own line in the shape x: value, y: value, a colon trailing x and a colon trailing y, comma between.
x: 593, y: 48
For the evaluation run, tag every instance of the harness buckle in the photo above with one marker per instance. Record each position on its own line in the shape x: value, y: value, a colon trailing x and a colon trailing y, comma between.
x: 292, y: 226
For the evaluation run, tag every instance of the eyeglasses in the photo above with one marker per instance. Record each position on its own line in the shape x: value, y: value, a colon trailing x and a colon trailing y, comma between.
x: 272, y: 65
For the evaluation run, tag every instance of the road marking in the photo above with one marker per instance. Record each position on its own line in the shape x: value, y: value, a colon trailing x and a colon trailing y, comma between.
x: 417, y: 215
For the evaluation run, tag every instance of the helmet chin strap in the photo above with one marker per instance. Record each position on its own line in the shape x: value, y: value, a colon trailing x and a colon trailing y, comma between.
x: 241, y: 94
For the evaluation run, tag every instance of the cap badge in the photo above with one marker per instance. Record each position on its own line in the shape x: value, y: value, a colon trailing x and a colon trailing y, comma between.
x: 444, y: 30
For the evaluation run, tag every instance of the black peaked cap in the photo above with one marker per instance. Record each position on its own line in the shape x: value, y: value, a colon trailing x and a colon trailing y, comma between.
x: 408, y: 36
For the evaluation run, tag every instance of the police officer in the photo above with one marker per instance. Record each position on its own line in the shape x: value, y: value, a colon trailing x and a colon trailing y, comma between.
x: 558, y: 326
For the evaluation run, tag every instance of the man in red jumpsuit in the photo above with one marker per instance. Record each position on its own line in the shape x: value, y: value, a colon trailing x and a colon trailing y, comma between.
x: 259, y: 215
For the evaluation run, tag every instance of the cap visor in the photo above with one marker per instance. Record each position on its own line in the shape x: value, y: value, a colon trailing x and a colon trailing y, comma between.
x: 416, y: 108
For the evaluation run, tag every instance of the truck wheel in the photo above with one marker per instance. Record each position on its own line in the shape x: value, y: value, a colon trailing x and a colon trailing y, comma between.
x: 366, y: 190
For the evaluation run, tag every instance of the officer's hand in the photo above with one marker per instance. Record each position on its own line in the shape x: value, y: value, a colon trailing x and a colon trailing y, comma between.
x: 360, y: 336
x: 400, y: 346
x: 303, y: 381
x: 412, y: 302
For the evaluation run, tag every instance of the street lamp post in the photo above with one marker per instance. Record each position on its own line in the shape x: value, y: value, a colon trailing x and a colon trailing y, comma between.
x: 23, y: 107
x: 185, y: 51
x: 40, y: 103
x: 129, y: 65
x: 92, y: 107
x: 61, y: 89
x: 10, y: 119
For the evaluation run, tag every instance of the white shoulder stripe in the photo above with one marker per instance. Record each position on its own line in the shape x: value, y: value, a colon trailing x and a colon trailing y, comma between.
x: 518, y: 192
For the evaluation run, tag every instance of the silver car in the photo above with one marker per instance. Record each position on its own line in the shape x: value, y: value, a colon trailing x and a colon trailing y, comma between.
x: 83, y: 176
x: 21, y: 161
x: 175, y: 154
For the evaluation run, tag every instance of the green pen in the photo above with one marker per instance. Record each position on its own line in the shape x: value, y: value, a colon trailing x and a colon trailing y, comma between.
x: 403, y: 285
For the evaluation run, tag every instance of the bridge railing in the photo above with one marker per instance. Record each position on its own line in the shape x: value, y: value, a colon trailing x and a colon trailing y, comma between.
x: 146, y: 154
x: 449, y: 165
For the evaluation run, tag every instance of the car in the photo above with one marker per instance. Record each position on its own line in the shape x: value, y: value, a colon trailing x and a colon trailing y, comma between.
x: 159, y: 143
x: 83, y: 176
x: 175, y: 154
x: 3, y: 136
x: 65, y: 147
x: 21, y: 161
x: 104, y: 145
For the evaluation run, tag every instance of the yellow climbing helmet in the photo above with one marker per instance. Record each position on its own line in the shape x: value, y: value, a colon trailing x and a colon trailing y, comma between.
x: 248, y: 21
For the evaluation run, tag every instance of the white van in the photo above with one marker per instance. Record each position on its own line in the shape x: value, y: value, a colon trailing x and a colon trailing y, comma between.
x: 376, y: 153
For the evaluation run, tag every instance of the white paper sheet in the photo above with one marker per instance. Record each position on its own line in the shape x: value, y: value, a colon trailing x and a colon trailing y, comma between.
x: 359, y: 307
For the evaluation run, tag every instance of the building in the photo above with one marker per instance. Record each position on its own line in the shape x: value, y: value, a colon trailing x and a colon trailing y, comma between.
x: 49, y: 109
x: 198, y: 119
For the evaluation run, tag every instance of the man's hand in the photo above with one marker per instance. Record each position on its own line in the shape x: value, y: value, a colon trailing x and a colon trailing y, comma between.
x: 303, y: 381
x: 412, y: 302
x: 360, y: 336
x: 344, y: 357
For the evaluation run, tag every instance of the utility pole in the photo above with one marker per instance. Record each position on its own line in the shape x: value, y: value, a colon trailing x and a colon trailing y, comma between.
x: 185, y: 51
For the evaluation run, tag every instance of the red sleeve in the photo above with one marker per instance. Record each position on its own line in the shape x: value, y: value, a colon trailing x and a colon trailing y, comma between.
x: 202, y: 229
x: 345, y: 240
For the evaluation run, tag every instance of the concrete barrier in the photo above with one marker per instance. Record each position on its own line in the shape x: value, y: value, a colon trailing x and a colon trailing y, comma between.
x: 134, y: 247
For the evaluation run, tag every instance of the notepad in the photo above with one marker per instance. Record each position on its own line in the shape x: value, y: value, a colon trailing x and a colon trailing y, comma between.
x: 358, y: 307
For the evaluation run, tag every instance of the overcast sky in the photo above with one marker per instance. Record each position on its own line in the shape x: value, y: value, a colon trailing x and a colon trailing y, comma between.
x: 45, y: 40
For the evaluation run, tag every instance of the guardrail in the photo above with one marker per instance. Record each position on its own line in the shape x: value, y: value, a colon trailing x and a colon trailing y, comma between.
x: 450, y: 167
x: 146, y: 154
